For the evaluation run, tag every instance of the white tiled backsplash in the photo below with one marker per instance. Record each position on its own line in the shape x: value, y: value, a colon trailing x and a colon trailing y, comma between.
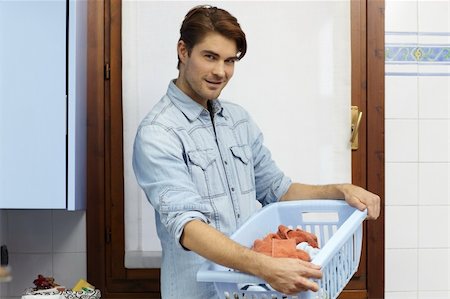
x: 417, y: 149
x: 48, y: 242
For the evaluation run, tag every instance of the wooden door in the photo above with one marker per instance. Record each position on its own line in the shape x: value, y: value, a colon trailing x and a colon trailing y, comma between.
x: 105, y: 214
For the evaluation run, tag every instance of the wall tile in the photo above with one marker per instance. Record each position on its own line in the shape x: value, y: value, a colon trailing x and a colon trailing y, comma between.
x: 3, y: 290
x: 26, y: 268
x: 69, y: 231
x: 401, y: 270
x: 433, y: 270
x: 433, y: 16
x: 402, y: 223
x: 433, y: 183
x: 401, y: 96
x: 68, y: 268
x: 433, y: 227
x: 401, y: 183
x: 395, y: 69
x: 29, y: 231
x: 434, y: 295
x: 401, y: 140
x: 3, y: 227
x: 401, y: 16
x: 433, y: 69
x: 400, y: 38
x: 400, y: 295
x: 434, y: 141
x: 434, y: 96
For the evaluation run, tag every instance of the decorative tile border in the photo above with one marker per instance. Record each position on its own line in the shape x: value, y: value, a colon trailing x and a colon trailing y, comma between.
x: 417, y: 54
x: 430, y: 59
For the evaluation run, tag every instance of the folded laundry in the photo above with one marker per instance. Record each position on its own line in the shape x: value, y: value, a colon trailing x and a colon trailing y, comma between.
x: 284, y: 243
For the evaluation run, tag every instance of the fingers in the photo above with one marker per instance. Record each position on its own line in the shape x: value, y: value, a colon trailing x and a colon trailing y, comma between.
x: 362, y: 199
x: 311, y: 285
x: 374, y: 210
x: 294, y: 276
x: 373, y: 206
x: 357, y: 203
x: 301, y: 285
x: 310, y: 270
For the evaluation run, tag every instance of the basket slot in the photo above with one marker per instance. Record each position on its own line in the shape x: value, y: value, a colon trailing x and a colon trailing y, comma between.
x: 318, y: 234
x: 320, y: 217
x: 326, y: 235
x: 308, y: 228
x: 341, y: 268
x: 334, y: 228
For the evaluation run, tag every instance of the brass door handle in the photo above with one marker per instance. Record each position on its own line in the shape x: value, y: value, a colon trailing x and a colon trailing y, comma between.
x: 356, y: 121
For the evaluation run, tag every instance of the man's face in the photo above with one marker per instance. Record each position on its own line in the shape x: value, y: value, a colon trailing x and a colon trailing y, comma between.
x: 208, y: 68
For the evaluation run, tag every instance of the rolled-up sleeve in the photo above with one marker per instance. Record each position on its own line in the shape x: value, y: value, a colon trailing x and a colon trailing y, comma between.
x: 161, y: 171
x: 270, y: 182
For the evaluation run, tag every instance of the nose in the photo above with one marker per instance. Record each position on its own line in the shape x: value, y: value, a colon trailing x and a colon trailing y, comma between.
x: 219, y: 69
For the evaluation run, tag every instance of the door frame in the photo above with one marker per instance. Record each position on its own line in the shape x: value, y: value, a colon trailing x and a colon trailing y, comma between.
x: 105, y: 223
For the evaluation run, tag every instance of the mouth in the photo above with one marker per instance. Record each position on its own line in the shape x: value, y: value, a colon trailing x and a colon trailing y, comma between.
x: 217, y: 83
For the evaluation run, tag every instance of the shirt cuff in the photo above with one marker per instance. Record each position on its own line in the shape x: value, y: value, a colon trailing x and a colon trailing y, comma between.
x: 278, y: 190
x: 183, y: 220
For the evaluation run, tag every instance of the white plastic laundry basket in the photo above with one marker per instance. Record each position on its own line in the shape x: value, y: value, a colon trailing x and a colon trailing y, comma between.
x: 338, y: 228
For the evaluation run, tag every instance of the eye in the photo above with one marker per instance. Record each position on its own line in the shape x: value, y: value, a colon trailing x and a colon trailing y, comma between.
x: 210, y: 57
x: 230, y: 61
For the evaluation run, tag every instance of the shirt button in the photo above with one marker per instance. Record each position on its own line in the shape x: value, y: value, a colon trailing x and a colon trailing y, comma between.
x: 239, y: 215
x: 226, y: 163
x: 232, y: 189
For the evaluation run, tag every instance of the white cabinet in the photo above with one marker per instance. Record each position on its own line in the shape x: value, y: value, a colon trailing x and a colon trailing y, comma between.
x: 43, y: 104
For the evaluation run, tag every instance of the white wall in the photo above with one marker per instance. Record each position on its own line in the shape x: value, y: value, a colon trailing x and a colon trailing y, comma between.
x: 47, y: 242
x: 417, y: 150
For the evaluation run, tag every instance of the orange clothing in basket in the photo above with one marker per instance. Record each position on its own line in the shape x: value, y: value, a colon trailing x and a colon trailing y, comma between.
x: 283, y: 243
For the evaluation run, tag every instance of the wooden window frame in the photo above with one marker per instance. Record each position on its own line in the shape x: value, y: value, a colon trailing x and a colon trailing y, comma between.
x: 105, y: 217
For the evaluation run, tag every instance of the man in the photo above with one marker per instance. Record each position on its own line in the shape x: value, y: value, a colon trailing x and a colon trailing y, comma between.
x: 204, y: 168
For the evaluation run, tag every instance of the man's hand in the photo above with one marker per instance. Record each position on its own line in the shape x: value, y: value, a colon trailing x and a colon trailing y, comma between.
x: 290, y: 276
x: 361, y: 199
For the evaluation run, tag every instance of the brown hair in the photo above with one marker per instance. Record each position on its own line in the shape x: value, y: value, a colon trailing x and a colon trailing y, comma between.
x: 203, y: 19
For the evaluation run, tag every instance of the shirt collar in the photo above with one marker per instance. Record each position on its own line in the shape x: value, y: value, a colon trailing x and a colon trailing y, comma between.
x: 190, y: 108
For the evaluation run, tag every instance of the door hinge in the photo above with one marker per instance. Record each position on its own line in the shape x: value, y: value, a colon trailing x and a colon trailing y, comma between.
x: 108, y: 235
x: 107, y: 71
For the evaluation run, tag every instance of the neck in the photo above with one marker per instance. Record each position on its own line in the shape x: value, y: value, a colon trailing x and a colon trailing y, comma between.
x: 185, y: 88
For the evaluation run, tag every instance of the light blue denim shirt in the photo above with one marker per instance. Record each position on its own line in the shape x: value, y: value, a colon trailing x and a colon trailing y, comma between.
x: 191, y: 167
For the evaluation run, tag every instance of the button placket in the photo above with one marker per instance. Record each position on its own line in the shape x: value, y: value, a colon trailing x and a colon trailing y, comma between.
x: 229, y: 176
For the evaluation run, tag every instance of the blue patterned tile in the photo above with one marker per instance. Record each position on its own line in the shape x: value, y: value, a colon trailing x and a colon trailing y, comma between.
x: 431, y: 54
x: 417, y: 54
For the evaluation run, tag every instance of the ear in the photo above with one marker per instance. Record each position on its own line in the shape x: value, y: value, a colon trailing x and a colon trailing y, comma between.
x: 182, y: 51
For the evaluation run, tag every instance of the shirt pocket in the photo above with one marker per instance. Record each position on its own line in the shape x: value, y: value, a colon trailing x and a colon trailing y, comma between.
x: 243, y: 162
x: 205, y: 173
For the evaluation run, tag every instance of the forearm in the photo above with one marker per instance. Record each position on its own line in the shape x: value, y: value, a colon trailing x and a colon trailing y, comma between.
x: 304, y: 191
x: 355, y: 196
x: 217, y: 247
